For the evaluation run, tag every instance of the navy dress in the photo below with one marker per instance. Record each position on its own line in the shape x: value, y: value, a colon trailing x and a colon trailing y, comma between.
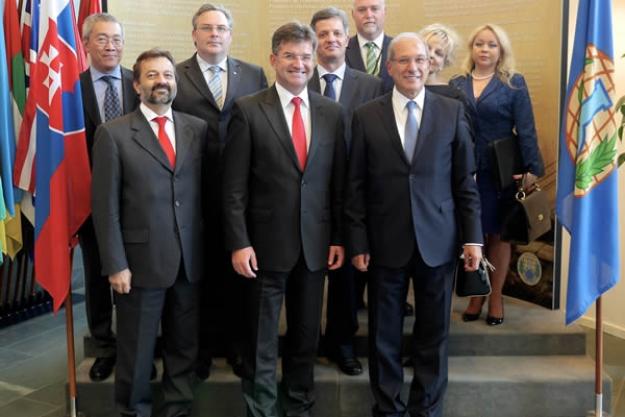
x: 500, y: 111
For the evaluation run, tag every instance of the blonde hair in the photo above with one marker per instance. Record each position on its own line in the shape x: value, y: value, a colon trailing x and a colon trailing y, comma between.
x: 447, y: 36
x: 504, y: 69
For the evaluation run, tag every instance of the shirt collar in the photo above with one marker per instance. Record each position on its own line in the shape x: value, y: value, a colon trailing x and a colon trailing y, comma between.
x: 401, y: 100
x: 115, y: 73
x: 286, y: 96
x: 379, y: 41
x: 204, y: 66
x: 150, y: 114
x: 339, y: 72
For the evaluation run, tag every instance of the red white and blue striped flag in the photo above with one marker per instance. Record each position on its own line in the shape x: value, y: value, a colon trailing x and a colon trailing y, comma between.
x: 51, y: 158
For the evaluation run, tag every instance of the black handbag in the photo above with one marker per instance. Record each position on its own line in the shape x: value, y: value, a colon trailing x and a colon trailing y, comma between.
x: 506, y: 161
x: 528, y: 217
x: 473, y: 283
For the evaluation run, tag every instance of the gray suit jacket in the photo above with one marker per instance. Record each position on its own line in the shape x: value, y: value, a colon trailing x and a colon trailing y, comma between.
x: 148, y: 217
x: 269, y: 203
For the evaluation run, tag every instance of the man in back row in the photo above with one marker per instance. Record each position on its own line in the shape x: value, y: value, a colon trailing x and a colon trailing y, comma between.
x: 350, y: 88
x: 209, y: 83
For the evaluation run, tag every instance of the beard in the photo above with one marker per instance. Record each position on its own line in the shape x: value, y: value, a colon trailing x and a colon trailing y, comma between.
x: 154, y: 98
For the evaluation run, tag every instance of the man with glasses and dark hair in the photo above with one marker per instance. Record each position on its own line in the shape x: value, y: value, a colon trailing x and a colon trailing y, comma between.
x: 107, y: 93
x: 208, y: 84
x: 284, y: 167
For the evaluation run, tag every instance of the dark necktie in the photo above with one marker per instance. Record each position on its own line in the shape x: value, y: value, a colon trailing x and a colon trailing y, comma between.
x: 112, y: 107
x: 329, y: 91
x: 410, y: 131
x: 163, y: 139
x: 298, y: 133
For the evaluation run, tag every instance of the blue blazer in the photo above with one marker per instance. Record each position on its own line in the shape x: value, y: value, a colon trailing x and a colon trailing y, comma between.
x: 498, y: 112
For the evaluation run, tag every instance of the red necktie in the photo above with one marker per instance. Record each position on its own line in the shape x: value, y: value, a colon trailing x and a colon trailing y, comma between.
x: 298, y: 133
x: 163, y: 139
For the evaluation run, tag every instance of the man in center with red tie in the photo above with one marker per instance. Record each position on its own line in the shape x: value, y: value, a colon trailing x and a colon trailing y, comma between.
x: 284, y: 167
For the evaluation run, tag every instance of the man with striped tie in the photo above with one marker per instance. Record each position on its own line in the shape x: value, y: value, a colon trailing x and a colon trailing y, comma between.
x: 209, y: 83
x: 107, y: 93
x: 366, y: 51
x: 350, y: 88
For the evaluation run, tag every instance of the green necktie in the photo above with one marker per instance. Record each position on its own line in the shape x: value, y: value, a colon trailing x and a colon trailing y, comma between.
x: 372, y: 58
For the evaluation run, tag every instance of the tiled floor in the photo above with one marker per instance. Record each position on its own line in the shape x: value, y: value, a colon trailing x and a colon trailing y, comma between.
x: 33, y: 364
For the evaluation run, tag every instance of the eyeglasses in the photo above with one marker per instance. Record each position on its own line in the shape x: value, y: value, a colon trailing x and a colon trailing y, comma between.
x: 294, y: 57
x: 405, y: 61
x: 220, y: 29
x: 103, y: 40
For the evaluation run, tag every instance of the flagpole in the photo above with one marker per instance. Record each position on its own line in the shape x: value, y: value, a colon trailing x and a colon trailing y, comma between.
x: 71, y: 356
x: 598, y: 359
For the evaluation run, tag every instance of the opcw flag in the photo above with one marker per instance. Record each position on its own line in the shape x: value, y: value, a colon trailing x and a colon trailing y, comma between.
x: 587, y: 197
x: 53, y: 138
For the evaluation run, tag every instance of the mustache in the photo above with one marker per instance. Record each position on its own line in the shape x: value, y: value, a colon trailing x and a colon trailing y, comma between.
x: 162, y: 85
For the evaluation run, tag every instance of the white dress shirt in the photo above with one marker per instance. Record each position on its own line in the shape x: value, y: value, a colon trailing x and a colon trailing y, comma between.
x: 169, y: 126
x: 208, y: 74
x: 289, y: 108
x: 379, y: 41
x: 401, y: 112
x: 338, y: 82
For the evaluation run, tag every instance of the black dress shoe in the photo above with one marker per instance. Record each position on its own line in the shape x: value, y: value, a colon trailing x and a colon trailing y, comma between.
x: 102, y: 368
x: 408, y: 310
x: 236, y: 363
x: 349, y: 365
x: 494, y: 321
x: 153, y: 372
x: 203, y: 368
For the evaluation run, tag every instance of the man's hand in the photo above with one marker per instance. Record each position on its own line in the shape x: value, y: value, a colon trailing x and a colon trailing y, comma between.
x: 361, y: 262
x: 472, y: 257
x: 244, y: 262
x: 120, y: 281
x: 336, y: 257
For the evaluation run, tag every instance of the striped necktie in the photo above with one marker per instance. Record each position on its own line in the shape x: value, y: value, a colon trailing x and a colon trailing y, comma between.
x: 215, y: 85
x: 372, y: 58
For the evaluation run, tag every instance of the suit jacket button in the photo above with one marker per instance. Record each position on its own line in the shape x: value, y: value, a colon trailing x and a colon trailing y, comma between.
x: 303, y: 183
x: 177, y: 203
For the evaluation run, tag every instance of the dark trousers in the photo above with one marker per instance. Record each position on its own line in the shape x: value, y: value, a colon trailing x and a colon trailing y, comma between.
x: 341, y: 313
x: 428, y: 347
x: 302, y: 291
x: 138, y: 316
x: 98, y: 299
x: 221, y: 310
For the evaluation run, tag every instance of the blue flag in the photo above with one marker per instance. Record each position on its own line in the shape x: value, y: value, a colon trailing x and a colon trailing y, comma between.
x: 587, y: 197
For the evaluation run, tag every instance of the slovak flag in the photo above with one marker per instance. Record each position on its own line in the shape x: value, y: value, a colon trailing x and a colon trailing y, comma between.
x: 51, y: 159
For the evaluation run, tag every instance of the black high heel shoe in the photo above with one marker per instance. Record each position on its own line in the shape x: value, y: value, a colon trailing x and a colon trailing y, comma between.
x: 473, y: 316
x: 495, y: 321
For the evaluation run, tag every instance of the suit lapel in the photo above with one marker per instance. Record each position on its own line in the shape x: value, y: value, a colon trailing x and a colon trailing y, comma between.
x: 316, y: 120
x: 91, y: 102
x: 272, y: 108
x: 427, y: 122
x: 314, y: 83
x: 184, y: 138
x: 348, y: 89
x: 144, y: 136
x: 390, y: 125
x: 491, y: 87
x: 195, y: 76
x: 353, y: 55
x: 128, y: 92
x: 234, y: 79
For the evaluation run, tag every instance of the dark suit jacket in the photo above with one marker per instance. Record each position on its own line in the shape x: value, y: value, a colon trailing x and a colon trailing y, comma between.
x: 393, y: 205
x: 354, y: 60
x: 194, y: 96
x: 147, y: 217
x: 269, y: 203
x: 357, y: 89
x: 130, y: 101
x: 498, y: 111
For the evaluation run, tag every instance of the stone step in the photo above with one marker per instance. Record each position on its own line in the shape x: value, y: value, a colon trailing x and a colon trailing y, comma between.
x: 528, y: 330
x: 484, y: 386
